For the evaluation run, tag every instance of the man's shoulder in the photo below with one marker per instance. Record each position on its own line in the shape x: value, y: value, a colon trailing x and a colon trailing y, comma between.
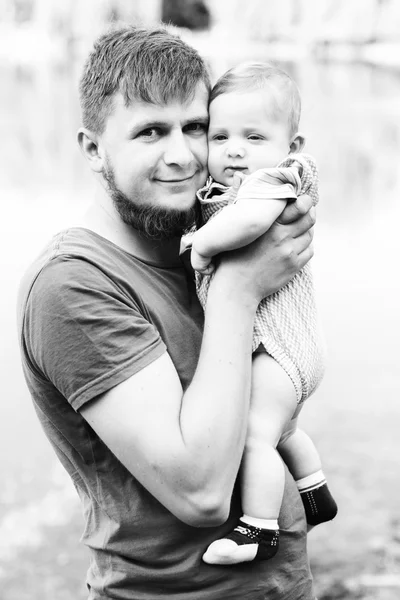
x: 70, y: 252
x: 75, y: 243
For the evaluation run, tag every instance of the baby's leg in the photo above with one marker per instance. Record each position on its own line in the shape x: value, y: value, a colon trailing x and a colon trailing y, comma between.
x: 273, y: 402
x: 302, y: 458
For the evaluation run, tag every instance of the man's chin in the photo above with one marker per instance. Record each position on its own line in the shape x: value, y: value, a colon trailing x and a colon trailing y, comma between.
x: 159, y: 223
x: 154, y: 221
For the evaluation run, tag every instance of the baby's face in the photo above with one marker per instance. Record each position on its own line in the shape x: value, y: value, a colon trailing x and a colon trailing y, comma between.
x: 246, y: 133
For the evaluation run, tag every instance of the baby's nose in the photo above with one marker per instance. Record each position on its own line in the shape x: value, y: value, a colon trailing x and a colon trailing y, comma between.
x: 235, y: 149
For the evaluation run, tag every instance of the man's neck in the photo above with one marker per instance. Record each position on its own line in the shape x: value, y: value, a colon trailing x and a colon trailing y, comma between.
x: 102, y: 218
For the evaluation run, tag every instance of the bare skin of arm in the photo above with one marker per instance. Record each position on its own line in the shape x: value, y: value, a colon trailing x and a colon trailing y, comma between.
x: 237, y: 225
x: 186, y: 448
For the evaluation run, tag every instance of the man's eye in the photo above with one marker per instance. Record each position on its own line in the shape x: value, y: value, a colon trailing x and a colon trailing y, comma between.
x: 196, y: 128
x: 150, y: 133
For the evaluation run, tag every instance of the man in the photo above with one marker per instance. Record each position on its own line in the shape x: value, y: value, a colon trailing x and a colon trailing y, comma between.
x: 145, y: 404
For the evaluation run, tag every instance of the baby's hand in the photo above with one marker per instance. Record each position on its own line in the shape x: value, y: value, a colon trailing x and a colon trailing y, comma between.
x: 200, y: 263
x: 238, y: 178
x: 204, y: 239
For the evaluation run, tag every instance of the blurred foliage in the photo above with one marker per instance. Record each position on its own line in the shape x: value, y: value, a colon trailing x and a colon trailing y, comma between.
x: 192, y: 14
x: 292, y: 20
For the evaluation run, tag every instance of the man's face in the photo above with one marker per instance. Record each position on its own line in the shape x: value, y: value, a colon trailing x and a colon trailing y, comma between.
x: 247, y: 132
x: 156, y: 160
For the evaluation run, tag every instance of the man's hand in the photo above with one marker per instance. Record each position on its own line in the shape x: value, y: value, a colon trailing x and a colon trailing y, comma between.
x: 293, y: 233
x: 296, y: 210
x: 267, y: 264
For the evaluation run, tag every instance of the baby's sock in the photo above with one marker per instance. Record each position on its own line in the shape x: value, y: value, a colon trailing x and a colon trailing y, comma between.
x: 252, y: 539
x: 319, y: 504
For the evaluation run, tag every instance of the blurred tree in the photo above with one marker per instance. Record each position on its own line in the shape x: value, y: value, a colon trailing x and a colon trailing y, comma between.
x: 193, y: 14
x: 23, y: 10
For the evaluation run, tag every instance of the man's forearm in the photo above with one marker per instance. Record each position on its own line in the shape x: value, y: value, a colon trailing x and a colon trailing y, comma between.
x: 215, y: 407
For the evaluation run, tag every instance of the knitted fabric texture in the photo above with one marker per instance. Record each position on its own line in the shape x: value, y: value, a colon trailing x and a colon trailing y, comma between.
x: 286, y: 322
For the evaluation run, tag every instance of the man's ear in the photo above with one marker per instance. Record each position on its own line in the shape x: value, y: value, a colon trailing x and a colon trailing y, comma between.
x: 297, y: 143
x: 91, y: 149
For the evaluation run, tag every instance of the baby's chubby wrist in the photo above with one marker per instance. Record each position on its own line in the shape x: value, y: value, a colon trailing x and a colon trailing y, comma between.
x: 200, y: 263
x: 202, y: 242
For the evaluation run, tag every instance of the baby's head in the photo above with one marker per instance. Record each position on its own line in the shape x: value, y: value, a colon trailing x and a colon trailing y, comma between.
x: 254, y: 118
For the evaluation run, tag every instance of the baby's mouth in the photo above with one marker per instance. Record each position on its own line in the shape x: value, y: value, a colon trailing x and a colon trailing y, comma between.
x: 232, y: 168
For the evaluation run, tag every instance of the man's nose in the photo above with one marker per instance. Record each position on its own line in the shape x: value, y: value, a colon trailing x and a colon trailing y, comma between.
x: 178, y: 150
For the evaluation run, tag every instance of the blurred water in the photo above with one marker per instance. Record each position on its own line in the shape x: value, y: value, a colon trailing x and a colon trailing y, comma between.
x: 351, y: 118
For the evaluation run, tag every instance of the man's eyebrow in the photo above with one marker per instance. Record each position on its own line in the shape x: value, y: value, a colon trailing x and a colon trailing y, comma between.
x: 147, y: 124
x: 203, y: 118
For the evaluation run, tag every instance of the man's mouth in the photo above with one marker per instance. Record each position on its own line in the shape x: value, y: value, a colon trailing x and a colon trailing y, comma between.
x: 175, y: 180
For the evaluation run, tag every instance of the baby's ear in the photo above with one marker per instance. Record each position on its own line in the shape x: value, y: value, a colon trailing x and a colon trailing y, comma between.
x: 297, y: 143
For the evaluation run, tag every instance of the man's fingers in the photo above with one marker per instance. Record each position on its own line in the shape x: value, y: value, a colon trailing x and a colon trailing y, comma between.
x: 295, y: 210
x: 298, y: 252
x: 304, y: 249
x: 305, y: 256
x: 305, y: 224
x: 298, y: 228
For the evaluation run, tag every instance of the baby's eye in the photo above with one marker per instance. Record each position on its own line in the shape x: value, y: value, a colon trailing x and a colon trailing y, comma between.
x: 255, y: 137
x: 219, y: 137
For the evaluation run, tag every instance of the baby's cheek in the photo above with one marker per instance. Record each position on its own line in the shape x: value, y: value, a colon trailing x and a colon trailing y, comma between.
x: 214, y: 162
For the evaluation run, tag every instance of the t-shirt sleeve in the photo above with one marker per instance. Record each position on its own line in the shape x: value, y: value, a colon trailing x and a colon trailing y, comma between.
x: 85, y: 333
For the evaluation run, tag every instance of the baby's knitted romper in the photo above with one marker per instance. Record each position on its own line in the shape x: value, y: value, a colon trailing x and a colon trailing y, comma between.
x: 285, y: 322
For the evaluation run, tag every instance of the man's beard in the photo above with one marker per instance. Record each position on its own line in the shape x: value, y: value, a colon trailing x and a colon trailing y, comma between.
x: 154, y: 222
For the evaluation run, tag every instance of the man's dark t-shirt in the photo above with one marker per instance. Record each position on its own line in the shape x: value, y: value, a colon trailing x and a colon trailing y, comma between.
x: 90, y: 316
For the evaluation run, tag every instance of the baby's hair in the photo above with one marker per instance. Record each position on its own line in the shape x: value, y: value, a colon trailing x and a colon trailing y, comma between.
x: 258, y: 76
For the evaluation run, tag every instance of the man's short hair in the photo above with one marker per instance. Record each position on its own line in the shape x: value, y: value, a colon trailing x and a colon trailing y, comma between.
x: 258, y: 76
x: 149, y: 65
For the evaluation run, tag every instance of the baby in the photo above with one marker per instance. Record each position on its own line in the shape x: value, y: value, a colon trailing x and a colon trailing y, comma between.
x: 256, y: 167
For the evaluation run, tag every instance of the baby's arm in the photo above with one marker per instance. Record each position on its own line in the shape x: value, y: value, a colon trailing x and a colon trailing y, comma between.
x: 237, y: 225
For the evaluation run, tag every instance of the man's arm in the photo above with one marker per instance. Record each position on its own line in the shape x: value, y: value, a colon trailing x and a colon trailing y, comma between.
x: 186, y: 448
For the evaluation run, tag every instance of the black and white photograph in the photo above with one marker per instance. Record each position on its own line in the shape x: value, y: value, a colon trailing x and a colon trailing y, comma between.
x: 200, y: 252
